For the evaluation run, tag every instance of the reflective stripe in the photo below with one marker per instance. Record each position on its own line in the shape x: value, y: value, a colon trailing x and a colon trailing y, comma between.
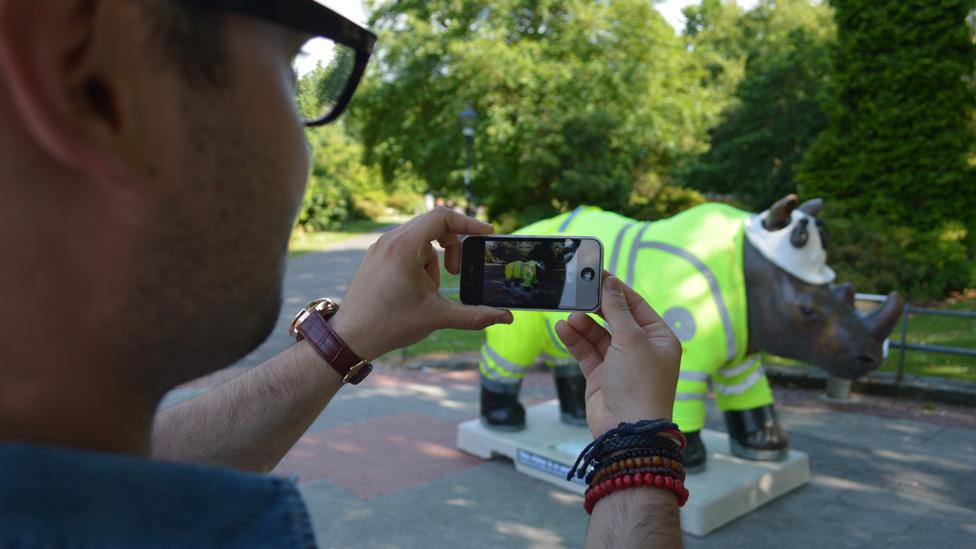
x: 557, y: 361
x: 555, y: 340
x: 737, y: 370
x: 631, y: 264
x: 569, y: 219
x: 689, y: 396
x: 498, y: 386
x: 501, y: 362
x: 712, y: 283
x: 617, y: 242
x: 742, y: 386
x: 489, y: 372
x: 693, y: 376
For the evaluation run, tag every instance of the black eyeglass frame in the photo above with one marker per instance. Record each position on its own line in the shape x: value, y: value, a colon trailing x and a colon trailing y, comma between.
x: 310, y: 17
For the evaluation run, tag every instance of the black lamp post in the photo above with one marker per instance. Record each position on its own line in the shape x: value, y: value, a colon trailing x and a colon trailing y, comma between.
x: 468, y: 116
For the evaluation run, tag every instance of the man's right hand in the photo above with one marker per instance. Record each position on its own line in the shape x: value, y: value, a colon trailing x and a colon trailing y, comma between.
x: 394, y: 298
x: 631, y: 374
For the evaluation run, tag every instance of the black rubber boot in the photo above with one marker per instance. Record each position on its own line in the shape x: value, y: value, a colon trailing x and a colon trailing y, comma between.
x: 571, y: 388
x: 695, y: 454
x: 755, y: 434
x: 500, y: 406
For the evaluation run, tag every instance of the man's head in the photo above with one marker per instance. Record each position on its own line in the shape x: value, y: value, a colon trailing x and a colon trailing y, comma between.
x: 151, y: 163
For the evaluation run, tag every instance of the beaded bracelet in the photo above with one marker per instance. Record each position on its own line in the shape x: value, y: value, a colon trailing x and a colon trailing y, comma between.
x: 605, y: 475
x: 630, y: 465
x: 618, y: 463
x: 600, y: 491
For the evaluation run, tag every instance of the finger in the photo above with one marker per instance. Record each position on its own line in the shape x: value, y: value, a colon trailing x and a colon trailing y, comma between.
x: 614, y: 307
x: 588, y: 356
x: 597, y: 335
x: 442, y: 221
x: 452, y: 252
x: 451, y: 314
x: 432, y: 265
x: 643, y: 313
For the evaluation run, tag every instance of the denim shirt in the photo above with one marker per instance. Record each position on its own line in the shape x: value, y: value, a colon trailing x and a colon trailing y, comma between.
x: 53, y: 497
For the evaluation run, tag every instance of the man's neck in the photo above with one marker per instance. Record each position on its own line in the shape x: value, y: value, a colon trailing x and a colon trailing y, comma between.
x: 76, y: 414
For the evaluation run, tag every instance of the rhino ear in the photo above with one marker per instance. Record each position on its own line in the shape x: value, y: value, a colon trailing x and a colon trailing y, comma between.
x: 779, y: 214
x: 812, y: 207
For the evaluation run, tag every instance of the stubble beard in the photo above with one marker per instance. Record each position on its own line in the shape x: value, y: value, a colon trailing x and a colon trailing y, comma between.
x: 212, y: 291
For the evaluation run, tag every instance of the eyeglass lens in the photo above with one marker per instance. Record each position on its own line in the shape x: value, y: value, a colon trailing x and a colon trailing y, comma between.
x: 323, y: 69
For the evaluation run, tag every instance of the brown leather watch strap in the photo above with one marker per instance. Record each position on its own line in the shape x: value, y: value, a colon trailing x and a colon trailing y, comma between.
x: 330, y: 346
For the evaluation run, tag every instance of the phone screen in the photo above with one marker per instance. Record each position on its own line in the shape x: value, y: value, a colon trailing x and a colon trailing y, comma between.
x: 537, y: 273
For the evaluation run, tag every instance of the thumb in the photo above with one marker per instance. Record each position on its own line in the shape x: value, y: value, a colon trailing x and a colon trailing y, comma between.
x: 470, y: 317
x: 614, y: 306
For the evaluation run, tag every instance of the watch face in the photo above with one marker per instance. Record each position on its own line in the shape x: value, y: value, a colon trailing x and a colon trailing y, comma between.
x: 323, y: 305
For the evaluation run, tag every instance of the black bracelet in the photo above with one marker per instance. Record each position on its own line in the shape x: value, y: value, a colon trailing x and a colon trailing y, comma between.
x: 636, y: 441
x: 642, y: 429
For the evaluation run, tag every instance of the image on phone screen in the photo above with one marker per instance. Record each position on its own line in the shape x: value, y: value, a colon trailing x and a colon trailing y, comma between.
x: 535, y: 273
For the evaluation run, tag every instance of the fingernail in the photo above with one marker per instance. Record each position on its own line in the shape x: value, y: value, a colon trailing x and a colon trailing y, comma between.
x: 613, y: 284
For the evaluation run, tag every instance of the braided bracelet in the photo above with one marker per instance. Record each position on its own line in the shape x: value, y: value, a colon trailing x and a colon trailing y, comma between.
x: 637, y: 452
x: 602, y: 490
x: 599, y: 448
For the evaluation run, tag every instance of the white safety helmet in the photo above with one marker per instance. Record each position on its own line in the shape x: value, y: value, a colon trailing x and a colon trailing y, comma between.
x: 797, y: 247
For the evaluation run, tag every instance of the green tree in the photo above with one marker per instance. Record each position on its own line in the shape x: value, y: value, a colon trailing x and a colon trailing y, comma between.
x: 777, y: 113
x: 895, y: 157
x: 767, y: 68
x: 577, y: 99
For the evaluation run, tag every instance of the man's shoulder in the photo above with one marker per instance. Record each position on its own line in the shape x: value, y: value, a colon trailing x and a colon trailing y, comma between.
x: 63, y: 497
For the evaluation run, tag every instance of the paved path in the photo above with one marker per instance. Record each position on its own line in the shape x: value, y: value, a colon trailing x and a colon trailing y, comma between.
x: 379, y: 468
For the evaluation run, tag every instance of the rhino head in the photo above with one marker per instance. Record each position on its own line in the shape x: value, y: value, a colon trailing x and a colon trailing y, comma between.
x: 795, y: 310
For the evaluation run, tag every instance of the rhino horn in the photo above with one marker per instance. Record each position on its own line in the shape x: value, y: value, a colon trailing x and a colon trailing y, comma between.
x: 882, y: 320
x: 779, y: 214
x: 812, y: 207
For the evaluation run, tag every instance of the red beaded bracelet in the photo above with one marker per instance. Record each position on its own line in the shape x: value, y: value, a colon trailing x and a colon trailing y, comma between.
x: 607, y: 487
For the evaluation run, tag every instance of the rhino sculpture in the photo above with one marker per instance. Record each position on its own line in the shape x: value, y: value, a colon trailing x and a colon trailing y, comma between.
x: 730, y: 284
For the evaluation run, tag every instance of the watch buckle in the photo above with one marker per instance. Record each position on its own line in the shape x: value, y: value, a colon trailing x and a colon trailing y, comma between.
x: 354, y: 370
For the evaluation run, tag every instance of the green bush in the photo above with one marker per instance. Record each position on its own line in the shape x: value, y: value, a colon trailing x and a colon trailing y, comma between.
x: 651, y: 200
x: 895, y: 157
x: 340, y: 187
x: 878, y: 258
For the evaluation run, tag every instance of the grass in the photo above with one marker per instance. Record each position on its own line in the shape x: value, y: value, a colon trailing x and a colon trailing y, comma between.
x: 303, y: 243
x: 937, y: 330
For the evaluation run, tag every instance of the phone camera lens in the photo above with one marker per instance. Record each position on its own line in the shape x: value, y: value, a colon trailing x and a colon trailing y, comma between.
x: 588, y: 274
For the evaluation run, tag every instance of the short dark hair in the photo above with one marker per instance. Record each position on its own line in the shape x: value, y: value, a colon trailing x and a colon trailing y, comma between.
x: 191, y: 35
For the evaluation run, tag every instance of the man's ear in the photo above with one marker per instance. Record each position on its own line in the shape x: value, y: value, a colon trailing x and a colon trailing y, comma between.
x: 67, y: 95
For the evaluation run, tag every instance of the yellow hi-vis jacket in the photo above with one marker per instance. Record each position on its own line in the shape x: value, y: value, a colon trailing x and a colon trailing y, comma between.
x: 522, y: 272
x: 690, y: 269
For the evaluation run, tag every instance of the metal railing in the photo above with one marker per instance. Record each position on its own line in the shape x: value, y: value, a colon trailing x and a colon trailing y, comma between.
x: 904, y: 346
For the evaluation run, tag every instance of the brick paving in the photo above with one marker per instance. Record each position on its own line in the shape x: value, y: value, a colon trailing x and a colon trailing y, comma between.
x: 379, y: 469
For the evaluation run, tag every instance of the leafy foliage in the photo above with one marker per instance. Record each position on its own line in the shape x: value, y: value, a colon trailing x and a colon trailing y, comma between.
x: 895, y: 158
x: 781, y: 51
x: 577, y: 99
x: 341, y: 187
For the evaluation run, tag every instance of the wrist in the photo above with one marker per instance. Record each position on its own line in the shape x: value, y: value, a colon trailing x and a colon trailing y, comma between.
x: 309, y: 359
x: 344, y: 324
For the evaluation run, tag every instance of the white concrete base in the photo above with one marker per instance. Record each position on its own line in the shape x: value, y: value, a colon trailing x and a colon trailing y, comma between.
x: 729, y: 488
